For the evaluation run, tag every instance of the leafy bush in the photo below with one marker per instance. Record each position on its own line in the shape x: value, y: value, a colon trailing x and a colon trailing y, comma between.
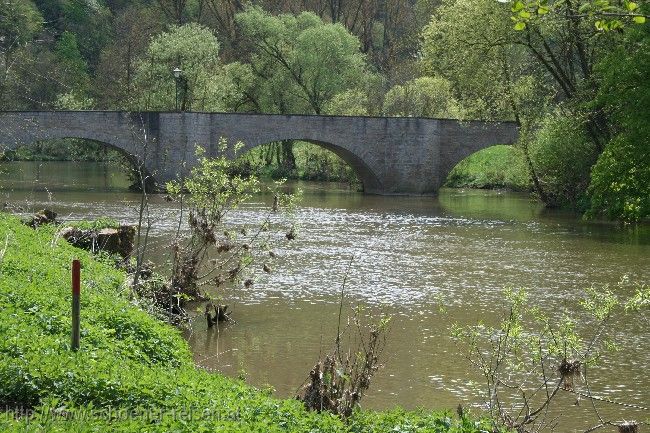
x: 563, y: 156
x: 620, y: 180
x: 98, y: 224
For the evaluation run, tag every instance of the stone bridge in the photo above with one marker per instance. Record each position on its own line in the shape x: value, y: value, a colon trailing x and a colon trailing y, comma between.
x: 391, y: 155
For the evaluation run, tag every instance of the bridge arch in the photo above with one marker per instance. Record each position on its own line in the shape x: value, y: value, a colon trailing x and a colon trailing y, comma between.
x: 133, y: 159
x: 136, y: 163
x: 364, y: 172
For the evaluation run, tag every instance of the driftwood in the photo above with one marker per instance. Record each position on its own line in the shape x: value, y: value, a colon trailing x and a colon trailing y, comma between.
x: 628, y: 427
x: 220, y: 314
x: 115, y: 241
x: 44, y: 216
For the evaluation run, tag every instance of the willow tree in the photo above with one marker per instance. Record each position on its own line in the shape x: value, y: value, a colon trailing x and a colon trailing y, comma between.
x: 422, y: 97
x: 195, y: 51
x: 300, y: 63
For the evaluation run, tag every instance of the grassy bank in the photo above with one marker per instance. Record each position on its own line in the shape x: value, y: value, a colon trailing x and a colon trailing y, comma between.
x: 497, y: 167
x: 132, y: 373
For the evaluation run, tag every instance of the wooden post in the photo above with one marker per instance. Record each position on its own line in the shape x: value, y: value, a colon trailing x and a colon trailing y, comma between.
x: 76, y: 292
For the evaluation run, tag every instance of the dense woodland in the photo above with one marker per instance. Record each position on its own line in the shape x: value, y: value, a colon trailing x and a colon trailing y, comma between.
x: 575, y: 74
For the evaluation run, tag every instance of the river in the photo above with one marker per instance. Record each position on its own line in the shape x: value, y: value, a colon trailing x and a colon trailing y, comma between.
x: 410, y: 257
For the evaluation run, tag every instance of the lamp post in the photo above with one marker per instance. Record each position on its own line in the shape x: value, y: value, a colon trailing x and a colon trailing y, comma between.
x: 177, y: 76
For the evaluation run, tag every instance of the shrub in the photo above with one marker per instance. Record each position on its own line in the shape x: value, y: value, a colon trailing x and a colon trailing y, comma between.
x: 563, y: 156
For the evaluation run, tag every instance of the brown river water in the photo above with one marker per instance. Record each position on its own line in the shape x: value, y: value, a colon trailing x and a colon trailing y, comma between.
x: 411, y: 256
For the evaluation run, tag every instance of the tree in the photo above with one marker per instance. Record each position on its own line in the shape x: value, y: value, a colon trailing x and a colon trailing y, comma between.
x: 74, y: 73
x: 317, y: 60
x: 20, y: 22
x: 603, y: 15
x: 300, y: 64
x: 520, y: 72
x: 195, y: 50
x: 422, y: 97
x: 563, y: 156
x: 133, y: 29
x: 89, y: 20
x: 470, y: 43
x: 221, y: 16
x: 213, y: 253
x: 530, y: 359
x: 620, y: 179
x: 181, y: 12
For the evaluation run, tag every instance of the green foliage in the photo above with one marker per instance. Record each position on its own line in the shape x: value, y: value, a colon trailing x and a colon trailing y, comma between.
x: 132, y: 372
x: 301, y: 62
x: 212, y: 189
x: 563, y: 156
x: 67, y: 51
x: 640, y: 300
x: 312, y: 163
x: 35, y: 360
x: 422, y: 97
x: 470, y: 44
x: 75, y: 70
x: 67, y: 149
x: 529, y: 351
x: 494, y: 167
x: 604, y: 15
x: 195, y: 50
x: 73, y: 101
x: 90, y: 20
x: 353, y: 102
x: 20, y: 23
x: 365, y: 99
x: 98, y: 224
x: 620, y: 180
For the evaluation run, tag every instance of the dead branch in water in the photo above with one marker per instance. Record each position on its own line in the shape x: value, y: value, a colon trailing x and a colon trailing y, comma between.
x: 339, y: 380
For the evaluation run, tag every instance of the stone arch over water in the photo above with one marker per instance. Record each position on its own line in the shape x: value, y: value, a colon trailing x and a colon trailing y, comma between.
x: 368, y: 178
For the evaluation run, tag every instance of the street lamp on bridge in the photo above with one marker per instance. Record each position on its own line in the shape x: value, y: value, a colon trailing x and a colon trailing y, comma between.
x: 177, y: 76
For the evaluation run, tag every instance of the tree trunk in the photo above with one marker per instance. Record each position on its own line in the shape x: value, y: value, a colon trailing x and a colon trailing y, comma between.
x: 288, y: 158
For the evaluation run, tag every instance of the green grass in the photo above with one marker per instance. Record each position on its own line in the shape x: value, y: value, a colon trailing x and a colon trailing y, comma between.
x: 497, y: 167
x: 98, y: 224
x: 129, y: 361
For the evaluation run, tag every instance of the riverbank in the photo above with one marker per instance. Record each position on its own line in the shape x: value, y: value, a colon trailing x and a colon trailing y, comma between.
x: 132, y: 372
x: 497, y: 167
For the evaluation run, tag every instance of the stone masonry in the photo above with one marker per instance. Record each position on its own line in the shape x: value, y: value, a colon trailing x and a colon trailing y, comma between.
x: 391, y: 155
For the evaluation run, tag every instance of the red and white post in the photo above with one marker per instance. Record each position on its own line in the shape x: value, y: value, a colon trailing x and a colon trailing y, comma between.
x: 76, y: 293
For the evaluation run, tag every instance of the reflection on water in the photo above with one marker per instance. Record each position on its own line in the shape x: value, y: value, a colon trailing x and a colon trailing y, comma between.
x: 410, y: 255
x: 62, y: 176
